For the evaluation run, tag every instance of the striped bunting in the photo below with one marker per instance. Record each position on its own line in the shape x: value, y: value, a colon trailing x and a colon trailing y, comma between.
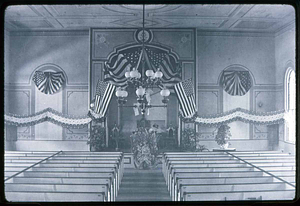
x: 129, y: 57
x: 104, y: 92
x: 236, y: 83
x: 186, y: 97
x: 48, y: 82
x: 120, y: 63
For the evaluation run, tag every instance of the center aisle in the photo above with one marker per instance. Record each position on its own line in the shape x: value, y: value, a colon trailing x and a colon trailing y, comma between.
x: 143, y: 185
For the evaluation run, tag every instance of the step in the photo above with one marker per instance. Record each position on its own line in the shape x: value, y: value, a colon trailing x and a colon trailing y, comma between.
x: 222, y: 165
x: 145, y: 190
x: 27, y: 196
x: 266, y: 195
x: 62, y: 180
x: 198, y: 158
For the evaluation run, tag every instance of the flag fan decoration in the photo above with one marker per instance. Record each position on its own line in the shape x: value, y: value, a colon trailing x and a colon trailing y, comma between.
x: 185, y: 94
x: 236, y: 83
x: 104, y: 92
x: 49, y: 82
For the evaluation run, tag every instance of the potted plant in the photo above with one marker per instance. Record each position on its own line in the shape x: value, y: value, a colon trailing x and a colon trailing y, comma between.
x: 96, y: 138
x: 223, y: 136
x: 144, y: 149
x: 191, y: 141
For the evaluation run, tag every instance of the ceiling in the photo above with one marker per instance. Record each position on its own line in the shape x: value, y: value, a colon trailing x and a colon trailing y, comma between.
x: 205, y: 17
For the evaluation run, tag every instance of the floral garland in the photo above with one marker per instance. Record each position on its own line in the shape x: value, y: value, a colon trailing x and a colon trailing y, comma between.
x: 48, y: 114
x: 70, y: 121
x: 239, y: 114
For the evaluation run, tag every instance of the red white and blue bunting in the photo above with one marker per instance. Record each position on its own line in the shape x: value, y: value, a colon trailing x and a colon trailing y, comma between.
x: 49, y: 82
x: 236, y: 83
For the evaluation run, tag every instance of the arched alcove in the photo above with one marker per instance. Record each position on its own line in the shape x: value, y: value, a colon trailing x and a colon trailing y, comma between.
x: 48, y: 130
x: 239, y: 130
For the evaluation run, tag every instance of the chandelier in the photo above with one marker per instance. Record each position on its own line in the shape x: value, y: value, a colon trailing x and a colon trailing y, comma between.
x: 143, y: 82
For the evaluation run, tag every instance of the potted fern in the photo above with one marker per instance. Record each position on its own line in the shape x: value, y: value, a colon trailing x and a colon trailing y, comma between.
x: 191, y: 141
x: 223, y: 136
x: 96, y: 138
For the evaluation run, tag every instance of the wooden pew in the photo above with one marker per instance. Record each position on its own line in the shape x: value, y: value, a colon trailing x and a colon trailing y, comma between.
x: 28, y: 196
x: 271, y: 186
x: 70, y: 181
x: 240, y: 195
x: 35, y: 187
x: 69, y: 167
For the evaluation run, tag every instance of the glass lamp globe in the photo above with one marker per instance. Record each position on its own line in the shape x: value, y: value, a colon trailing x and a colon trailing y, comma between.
x: 149, y: 73
x: 158, y: 74
x: 132, y: 73
x: 127, y: 74
x: 140, y: 91
x: 92, y: 105
x: 138, y: 75
x: 124, y: 93
x: 119, y: 93
x: 165, y: 92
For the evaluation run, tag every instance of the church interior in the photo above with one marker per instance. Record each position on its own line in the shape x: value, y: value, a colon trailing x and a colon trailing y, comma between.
x: 163, y: 102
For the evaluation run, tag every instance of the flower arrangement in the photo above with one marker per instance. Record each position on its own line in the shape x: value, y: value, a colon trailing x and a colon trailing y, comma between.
x: 96, y: 138
x: 223, y: 135
x: 144, y: 148
x: 191, y: 141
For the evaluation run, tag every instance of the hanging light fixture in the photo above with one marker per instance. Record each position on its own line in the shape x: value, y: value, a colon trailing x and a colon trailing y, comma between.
x: 143, y: 81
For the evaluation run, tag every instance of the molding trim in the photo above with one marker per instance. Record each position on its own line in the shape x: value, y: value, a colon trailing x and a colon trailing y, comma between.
x: 50, y: 33
x: 234, y: 33
x: 286, y: 28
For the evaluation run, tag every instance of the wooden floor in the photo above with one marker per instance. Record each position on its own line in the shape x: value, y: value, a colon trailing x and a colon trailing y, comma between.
x: 143, y: 185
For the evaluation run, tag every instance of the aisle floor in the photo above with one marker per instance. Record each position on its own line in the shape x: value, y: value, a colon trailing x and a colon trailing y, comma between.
x: 143, y: 185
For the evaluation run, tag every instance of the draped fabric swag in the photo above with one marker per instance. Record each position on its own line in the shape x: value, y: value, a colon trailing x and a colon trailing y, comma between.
x: 236, y: 83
